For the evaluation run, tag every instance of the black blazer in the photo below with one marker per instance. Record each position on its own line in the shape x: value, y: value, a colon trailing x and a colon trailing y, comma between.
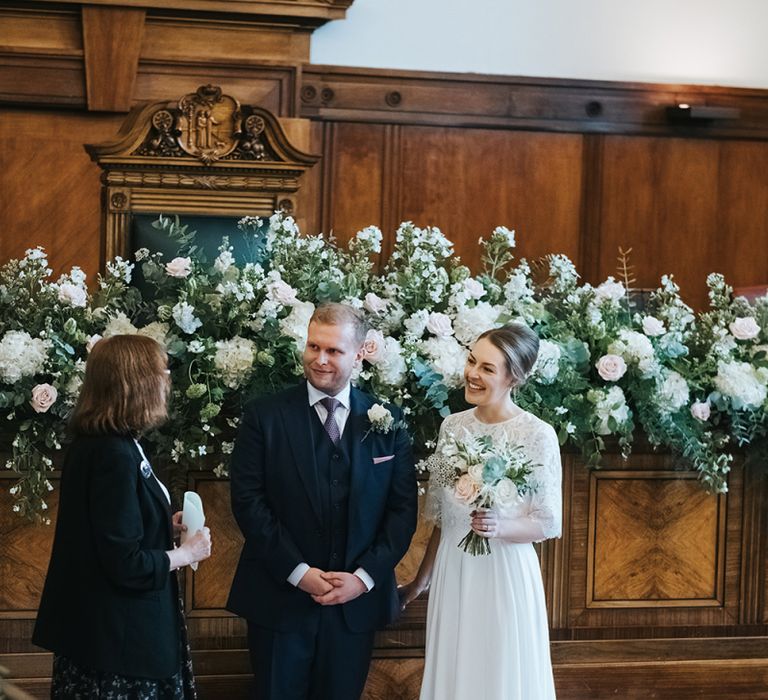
x: 276, y: 502
x: 109, y: 602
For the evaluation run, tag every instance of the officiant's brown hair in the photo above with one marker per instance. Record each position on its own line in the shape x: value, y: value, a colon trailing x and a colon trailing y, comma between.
x: 125, y: 390
x: 520, y: 347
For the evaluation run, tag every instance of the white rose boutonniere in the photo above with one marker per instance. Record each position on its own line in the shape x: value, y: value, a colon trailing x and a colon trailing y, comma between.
x: 382, y: 421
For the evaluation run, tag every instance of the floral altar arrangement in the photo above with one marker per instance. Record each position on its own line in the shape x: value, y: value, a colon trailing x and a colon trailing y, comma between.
x: 697, y: 384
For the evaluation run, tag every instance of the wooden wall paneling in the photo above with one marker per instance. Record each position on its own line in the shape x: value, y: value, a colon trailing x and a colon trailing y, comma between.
x: 355, y: 178
x: 740, y: 244
x: 591, y: 209
x: 468, y: 181
x: 754, y: 545
x: 111, y: 47
x: 656, y: 539
x: 659, y: 197
x: 651, y: 606
x: 51, y: 192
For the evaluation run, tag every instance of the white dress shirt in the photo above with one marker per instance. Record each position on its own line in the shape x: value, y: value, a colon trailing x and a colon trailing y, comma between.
x: 341, y: 414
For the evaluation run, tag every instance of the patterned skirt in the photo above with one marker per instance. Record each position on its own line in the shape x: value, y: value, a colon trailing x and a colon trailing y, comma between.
x: 74, y: 682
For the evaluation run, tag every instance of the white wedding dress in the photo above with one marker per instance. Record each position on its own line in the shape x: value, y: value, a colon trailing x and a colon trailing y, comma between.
x: 487, y: 632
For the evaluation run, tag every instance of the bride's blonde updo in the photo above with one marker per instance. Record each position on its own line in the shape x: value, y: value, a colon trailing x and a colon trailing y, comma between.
x: 519, y: 345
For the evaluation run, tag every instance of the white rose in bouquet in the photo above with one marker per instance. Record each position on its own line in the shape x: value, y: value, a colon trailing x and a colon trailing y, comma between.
x: 374, y: 304
x: 73, y: 295
x: 653, y: 327
x: 43, y: 397
x: 439, y: 324
x: 610, y: 290
x: 701, y: 410
x: 506, y: 493
x: 374, y: 346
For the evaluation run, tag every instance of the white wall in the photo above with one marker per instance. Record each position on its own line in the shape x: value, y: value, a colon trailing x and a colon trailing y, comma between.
x: 720, y: 42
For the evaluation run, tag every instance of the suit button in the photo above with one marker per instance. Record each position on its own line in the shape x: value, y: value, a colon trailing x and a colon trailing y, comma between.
x: 335, y: 455
x: 336, y: 506
x: 334, y: 556
x: 335, y: 482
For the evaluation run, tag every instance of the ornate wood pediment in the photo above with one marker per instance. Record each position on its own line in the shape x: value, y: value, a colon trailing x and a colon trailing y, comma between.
x: 203, y: 153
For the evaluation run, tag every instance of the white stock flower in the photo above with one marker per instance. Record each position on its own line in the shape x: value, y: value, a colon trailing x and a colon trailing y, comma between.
x: 184, y: 316
x: 507, y: 234
x: 652, y: 326
x: 611, y: 367
x: 547, y: 363
x: 73, y: 295
x: 196, y: 347
x: 741, y: 383
x: 234, y: 360
x: 673, y: 393
x: 296, y: 323
x: 43, y: 397
x: 744, y: 328
x: 223, y: 262
x: 610, y: 290
x: 372, y: 235
x: 470, y: 322
x: 179, y: 267
x: 439, y: 324
x: 21, y: 355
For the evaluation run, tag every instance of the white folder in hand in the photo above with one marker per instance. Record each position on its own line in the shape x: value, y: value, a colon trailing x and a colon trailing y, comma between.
x: 193, y: 517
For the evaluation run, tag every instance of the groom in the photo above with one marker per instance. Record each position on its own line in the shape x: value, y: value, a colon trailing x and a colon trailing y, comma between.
x: 327, y: 506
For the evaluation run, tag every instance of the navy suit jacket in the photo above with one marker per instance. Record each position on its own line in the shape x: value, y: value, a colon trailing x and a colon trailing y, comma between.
x: 276, y: 502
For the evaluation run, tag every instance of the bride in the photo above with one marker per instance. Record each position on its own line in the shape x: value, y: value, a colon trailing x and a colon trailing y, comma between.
x: 487, y: 633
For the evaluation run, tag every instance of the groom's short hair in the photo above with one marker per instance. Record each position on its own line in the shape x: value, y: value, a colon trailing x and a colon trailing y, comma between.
x: 334, y: 314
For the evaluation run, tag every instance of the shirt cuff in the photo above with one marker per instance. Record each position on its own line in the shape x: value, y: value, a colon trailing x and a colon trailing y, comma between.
x: 362, y: 574
x: 298, y: 573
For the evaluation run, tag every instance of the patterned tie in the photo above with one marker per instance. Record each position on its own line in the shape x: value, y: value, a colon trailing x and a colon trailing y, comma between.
x: 330, y: 425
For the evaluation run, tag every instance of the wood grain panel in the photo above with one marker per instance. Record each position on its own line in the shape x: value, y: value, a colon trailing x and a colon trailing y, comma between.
x: 394, y: 679
x: 355, y: 178
x: 208, y: 588
x: 50, y: 189
x: 25, y: 549
x: 111, y: 45
x: 655, y: 539
x: 659, y: 197
x: 469, y: 181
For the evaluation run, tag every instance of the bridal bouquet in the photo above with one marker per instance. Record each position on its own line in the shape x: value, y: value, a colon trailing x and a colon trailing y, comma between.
x: 482, y: 474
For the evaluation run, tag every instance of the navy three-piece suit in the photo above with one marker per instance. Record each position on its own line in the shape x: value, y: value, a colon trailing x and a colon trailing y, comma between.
x: 298, y: 498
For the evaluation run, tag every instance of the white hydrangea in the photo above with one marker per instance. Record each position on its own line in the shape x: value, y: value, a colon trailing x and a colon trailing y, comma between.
x: 21, y: 355
x: 119, y: 324
x: 635, y: 348
x: 391, y: 367
x: 470, y: 322
x: 416, y: 323
x: 196, y: 347
x: 296, y: 323
x: 609, y: 404
x: 742, y: 384
x: 73, y: 295
x: 157, y: 331
x: 234, y: 360
x: 673, y: 392
x: 547, y: 362
x: 446, y: 357
x: 184, y: 315
x: 610, y: 290
x: 517, y: 289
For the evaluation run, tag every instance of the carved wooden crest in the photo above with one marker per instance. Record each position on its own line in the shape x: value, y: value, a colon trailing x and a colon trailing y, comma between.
x: 202, y: 154
x: 208, y: 122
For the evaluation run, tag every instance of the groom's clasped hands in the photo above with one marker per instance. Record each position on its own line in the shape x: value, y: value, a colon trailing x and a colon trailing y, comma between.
x: 331, y: 587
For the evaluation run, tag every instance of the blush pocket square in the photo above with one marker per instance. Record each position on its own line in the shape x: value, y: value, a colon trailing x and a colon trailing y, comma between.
x: 379, y: 460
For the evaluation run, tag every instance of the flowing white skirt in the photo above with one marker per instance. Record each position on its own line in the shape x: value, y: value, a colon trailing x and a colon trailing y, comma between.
x: 487, y: 631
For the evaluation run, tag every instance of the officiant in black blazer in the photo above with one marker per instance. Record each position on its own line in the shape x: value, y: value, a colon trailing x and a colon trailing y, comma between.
x: 110, y: 608
x: 327, y: 504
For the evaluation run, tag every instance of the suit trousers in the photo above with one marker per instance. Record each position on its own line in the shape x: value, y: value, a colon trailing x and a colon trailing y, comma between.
x: 323, y: 662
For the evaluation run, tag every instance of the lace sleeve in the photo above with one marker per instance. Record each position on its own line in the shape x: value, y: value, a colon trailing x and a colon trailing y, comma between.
x: 547, y: 499
x: 432, y: 502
